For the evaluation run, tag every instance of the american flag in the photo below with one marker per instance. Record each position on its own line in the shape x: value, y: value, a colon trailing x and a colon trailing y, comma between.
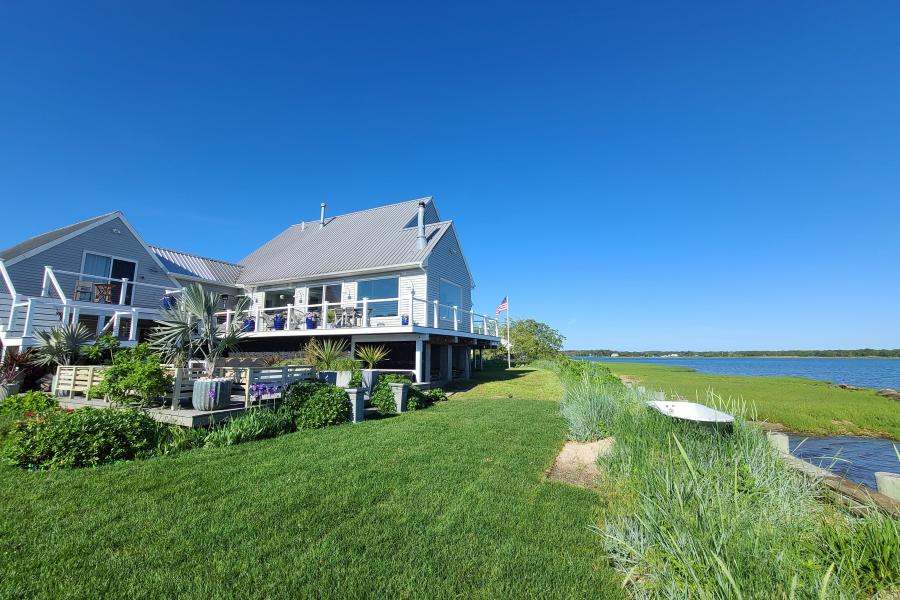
x: 504, y: 305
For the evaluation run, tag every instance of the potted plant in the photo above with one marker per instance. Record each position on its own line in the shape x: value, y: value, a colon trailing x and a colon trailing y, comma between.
x: 11, y: 375
x: 327, y: 356
x: 312, y: 319
x: 278, y: 322
x: 404, y: 320
x: 191, y: 330
x: 371, y: 356
x: 248, y: 325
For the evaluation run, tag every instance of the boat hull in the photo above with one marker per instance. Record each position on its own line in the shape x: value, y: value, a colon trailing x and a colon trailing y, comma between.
x: 693, y: 413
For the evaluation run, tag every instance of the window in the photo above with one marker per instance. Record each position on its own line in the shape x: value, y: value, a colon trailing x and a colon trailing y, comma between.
x: 450, y: 296
x: 279, y: 298
x: 106, y: 269
x: 375, y: 289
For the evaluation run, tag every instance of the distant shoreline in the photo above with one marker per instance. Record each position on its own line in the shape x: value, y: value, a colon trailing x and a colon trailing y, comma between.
x: 746, y: 354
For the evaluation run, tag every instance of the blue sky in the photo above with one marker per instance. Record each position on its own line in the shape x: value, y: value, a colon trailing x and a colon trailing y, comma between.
x: 638, y: 175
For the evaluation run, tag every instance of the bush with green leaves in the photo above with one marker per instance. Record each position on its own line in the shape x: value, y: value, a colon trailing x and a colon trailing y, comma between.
x: 315, y: 404
x: 417, y: 398
x: 171, y: 439
x: 27, y: 402
x: 82, y: 438
x: 102, y: 351
x: 256, y: 424
x: 135, y: 376
x: 382, y: 397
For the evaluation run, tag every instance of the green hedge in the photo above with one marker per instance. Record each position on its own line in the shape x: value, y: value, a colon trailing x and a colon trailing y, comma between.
x: 314, y: 405
x: 82, y: 438
x: 27, y: 402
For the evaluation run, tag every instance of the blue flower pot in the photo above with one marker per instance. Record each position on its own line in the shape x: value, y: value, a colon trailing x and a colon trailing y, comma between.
x: 310, y: 323
x: 404, y: 320
x: 278, y: 323
x: 249, y: 325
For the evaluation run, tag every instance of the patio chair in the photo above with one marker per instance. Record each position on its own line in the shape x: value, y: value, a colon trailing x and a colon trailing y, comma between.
x: 84, y: 291
x: 268, y: 322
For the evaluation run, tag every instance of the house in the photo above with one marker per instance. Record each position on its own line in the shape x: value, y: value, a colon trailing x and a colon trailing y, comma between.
x: 394, y: 275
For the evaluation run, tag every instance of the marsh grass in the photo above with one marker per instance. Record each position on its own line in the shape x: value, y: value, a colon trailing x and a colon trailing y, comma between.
x: 693, y: 512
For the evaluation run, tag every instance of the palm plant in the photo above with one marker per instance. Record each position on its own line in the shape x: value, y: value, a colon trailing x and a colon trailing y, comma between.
x: 326, y: 354
x: 372, y: 355
x: 191, y: 329
x: 61, y: 345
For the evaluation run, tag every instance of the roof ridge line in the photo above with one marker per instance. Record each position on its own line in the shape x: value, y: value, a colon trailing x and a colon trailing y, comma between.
x: 226, y: 262
x: 355, y: 212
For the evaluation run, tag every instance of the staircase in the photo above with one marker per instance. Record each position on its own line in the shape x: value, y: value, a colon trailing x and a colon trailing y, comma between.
x: 21, y: 317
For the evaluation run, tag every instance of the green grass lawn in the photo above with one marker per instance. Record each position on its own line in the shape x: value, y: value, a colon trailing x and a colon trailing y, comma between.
x: 444, y: 502
x: 519, y: 382
x: 803, y: 405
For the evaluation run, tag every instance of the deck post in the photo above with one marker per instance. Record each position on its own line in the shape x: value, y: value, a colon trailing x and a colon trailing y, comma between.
x: 419, y: 360
x: 290, y: 315
x: 227, y: 320
x: 176, y: 393
x: 365, y: 319
x: 412, y: 318
x: 468, y: 371
x: 455, y: 318
x: 450, y: 350
x: 471, y: 322
x: 116, y: 321
x: 324, y: 313
x: 435, y: 324
x: 124, y: 291
x: 132, y: 332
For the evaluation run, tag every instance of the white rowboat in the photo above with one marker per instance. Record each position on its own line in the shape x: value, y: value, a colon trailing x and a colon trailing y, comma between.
x: 693, y: 412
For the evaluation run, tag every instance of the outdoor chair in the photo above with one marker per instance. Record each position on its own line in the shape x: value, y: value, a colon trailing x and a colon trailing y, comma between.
x: 84, y: 291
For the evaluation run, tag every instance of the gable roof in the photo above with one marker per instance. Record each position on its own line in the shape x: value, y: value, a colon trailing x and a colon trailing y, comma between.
x: 183, y: 264
x: 38, y: 242
x: 367, y: 240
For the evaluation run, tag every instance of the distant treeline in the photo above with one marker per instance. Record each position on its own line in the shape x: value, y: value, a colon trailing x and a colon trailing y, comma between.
x: 862, y: 352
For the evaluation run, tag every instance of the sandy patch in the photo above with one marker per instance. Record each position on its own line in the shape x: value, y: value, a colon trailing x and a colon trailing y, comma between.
x: 576, y: 463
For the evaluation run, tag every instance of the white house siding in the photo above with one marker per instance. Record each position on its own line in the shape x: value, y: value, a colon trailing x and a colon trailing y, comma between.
x: 446, y: 262
x: 28, y: 274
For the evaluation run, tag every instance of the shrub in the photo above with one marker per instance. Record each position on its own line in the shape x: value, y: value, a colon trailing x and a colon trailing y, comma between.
x: 313, y: 405
x: 135, y: 376
x: 422, y: 399
x: 85, y: 437
x: 256, y: 424
x: 27, y: 402
x: 175, y: 438
x: 382, y: 397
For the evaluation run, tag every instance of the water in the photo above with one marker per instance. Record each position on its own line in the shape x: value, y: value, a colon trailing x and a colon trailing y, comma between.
x: 855, y: 458
x: 876, y: 373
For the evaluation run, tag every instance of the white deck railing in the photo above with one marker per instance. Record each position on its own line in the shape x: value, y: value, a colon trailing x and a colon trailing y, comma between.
x: 365, y: 314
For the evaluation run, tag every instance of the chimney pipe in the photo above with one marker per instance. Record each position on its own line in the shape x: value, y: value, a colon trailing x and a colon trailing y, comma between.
x: 420, y: 234
x: 322, y: 218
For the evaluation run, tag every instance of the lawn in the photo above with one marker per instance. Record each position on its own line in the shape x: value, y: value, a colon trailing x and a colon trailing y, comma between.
x: 802, y: 405
x: 444, y: 502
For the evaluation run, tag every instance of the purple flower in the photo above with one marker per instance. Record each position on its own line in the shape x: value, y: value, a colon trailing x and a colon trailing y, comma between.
x: 212, y: 393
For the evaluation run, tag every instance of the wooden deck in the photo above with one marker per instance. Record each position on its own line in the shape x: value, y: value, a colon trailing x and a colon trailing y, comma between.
x: 186, y: 417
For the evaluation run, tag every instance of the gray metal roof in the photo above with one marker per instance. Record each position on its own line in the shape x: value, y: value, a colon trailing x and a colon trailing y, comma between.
x: 51, y: 236
x: 201, y: 267
x: 360, y: 241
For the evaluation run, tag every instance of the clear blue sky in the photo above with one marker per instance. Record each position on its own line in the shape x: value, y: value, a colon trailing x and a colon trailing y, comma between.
x: 706, y: 176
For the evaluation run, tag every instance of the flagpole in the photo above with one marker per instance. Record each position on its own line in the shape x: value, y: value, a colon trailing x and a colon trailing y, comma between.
x: 508, y: 341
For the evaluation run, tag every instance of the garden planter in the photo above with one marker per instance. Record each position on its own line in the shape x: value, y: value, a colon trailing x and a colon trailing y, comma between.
x: 401, y: 394
x: 278, y: 323
x: 404, y: 320
x: 211, y: 394
x: 370, y: 378
x: 357, y: 403
x: 329, y: 377
x: 248, y: 326
x: 343, y: 379
x: 310, y: 323
x: 9, y: 389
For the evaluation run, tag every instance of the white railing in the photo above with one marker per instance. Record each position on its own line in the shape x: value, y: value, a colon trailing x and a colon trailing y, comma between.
x: 365, y: 314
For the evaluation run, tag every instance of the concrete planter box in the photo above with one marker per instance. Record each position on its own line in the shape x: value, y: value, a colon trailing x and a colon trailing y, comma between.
x: 401, y: 394
x: 9, y: 389
x: 343, y: 379
x: 328, y: 377
x: 203, y: 399
x: 369, y: 378
x: 357, y: 403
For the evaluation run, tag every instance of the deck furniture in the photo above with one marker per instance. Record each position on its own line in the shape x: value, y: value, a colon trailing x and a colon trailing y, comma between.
x: 84, y: 291
x: 103, y: 293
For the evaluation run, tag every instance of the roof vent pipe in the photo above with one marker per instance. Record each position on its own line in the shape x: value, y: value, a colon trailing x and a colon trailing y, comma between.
x: 322, y: 218
x: 420, y: 234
